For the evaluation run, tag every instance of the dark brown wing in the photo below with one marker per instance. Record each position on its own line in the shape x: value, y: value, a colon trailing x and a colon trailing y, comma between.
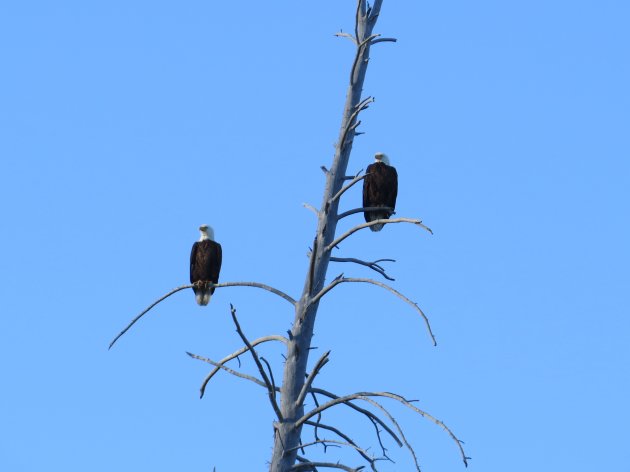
x: 380, y: 188
x: 389, y: 186
x: 205, y: 261
x: 217, y: 258
x: 368, y: 184
x: 193, y: 259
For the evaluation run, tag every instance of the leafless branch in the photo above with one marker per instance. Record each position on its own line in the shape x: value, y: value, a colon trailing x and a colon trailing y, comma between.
x: 228, y: 370
x: 340, y: 280
x: 372, y: 265
x: 358, y: 178
x: 382, y: 40
x: 305, y: 466
x: 363, y: 209
x: 336, y: 442
x: 370, y: 39
x: 341, y: 34
x: 309, y: 381
x: 363, y: 104
x: 319, y: 416
x: 311, y: 207
x: 273, y: 381
x: 270, y: 387
x: 352, y: 123
x: 219, y: 365
x: 399, y: 398
x: 400, y: 431
x: 175, y: 290
x: 376, y: 222
x: 361, y: 451
x: 367, y: 413
x: 257, y: 285
x: 426, y: 415
x: 183, y: 287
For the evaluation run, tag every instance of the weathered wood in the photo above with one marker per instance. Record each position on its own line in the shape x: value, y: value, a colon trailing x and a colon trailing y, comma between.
x: 287, y: 433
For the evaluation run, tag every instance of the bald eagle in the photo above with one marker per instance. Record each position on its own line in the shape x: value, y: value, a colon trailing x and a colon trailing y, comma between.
x: 380, y: 188
x: 205, y: 264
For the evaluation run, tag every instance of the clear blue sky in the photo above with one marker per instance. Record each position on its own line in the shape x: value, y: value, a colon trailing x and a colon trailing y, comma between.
x: 124, y: 125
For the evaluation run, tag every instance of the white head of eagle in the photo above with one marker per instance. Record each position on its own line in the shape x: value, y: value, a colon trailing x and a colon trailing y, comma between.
x: 205, y: 265
x: 381, y: 157
x: 380, y: 189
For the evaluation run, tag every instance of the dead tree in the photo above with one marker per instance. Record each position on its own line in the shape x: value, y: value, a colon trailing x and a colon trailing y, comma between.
x: 288, y: 398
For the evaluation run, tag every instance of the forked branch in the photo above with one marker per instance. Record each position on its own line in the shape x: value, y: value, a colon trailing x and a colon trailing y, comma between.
x: 353, y: 123
x: 229, y: 371
x: 399, y: 398
x: 341, y: 34
x: 219, y: 365
x: 340, y: 280
x: 400, y: 431
x: 343, y: 436
x: 270, y: 386
x: 309, y: 381
x: 371, y: 416
x: 326, y: 442
x: 374, y: 265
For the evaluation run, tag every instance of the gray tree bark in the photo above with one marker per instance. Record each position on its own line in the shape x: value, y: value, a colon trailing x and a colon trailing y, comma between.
x: 287, y: 434
x: 296, y: 384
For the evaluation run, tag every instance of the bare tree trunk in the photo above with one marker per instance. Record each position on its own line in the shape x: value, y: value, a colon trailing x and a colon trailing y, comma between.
x: 297, y: 384
x: 287, y: 434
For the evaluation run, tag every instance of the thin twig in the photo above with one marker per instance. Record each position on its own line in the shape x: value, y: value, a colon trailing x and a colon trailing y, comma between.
x: 311, y: 207
x: 343, y: 436
x: 309, y: 381
x: 365, y: 412
x: 375, y: 266
x: 319, y: 415
x: 175, y: 290
x: 376, y: 222
x: 352, y: 124
x: 426, y: 415
x: 399, y: 398
x: 273, y: 381
x: 364, y: 209
x: 229, y: 371
x: 331, y: 441
x: 252, y: 351
x: 219, y: 365
x: 340, y: 280
x: 400, y: 430
x: 341, y: 34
